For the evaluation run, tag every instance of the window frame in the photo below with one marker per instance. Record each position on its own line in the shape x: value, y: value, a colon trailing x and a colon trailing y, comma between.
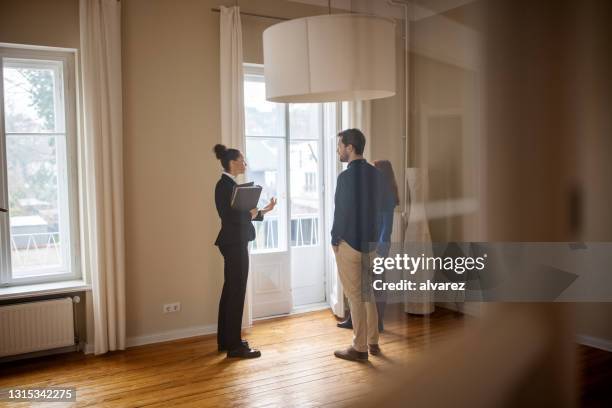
x: 67, y: 57
x: 283, y: 245
x: 257, y: 70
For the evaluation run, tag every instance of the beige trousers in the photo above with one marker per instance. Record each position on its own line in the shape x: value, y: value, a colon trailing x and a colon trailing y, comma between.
x: 365, y: 318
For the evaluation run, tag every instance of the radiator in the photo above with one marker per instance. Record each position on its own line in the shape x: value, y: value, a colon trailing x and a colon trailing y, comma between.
x: 35, y: 326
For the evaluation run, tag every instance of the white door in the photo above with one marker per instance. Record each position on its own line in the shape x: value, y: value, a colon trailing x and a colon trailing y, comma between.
x: 332, y: 124
x: 266, y: 157
x: 291, y: 153
x: 306, y: 203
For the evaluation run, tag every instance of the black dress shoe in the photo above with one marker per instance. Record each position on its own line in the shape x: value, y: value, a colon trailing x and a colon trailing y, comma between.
x: 347, y: 324
x: 224, y: 348
x: 244, y: 352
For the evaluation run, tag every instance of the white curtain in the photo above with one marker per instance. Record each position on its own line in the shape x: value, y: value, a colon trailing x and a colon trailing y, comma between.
x: 360, y: 117
x: 232, y: 99
x: 101, y: 164
x: 232, y: 86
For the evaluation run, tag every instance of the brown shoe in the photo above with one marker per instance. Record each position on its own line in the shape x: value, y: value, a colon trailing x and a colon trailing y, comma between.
x: 374, y: 349
x: 351, y: 354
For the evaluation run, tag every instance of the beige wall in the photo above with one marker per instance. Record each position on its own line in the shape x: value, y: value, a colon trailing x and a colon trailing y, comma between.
x: 172, y: 121
x: 40, y: 22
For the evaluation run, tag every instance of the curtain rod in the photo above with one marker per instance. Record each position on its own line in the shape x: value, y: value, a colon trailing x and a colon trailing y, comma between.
x: 216, y: 10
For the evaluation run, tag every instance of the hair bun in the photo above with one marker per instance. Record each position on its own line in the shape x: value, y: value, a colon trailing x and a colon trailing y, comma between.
x: 220, y: 151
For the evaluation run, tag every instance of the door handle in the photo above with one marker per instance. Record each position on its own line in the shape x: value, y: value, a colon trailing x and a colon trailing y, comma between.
x: 3, y: 210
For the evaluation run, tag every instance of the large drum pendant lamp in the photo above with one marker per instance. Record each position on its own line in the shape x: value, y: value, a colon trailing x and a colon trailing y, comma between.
x: 326, y: 58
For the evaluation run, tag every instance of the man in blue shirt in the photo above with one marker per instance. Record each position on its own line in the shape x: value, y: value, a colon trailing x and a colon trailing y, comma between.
x: 361, y: 194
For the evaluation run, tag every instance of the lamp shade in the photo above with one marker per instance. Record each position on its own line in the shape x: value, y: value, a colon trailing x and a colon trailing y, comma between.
x: 336, y: 57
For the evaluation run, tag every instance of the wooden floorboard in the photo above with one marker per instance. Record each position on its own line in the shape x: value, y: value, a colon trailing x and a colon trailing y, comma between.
x: 297, y: 368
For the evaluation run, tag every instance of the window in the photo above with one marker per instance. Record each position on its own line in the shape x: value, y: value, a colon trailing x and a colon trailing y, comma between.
x: 281, y: 137
x: 305, y: 134
x: 265, y: 156
x: 37, y: 167
x: 310, y: 182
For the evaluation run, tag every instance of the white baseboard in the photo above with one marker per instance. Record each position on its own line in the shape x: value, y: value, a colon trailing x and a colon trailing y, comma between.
x: 313, y: 307
x: 194, y: 331
x: 171, y: 335
x: 595, y: 342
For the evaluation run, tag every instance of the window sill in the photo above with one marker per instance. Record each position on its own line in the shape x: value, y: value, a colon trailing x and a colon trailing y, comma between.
x: 41, y: 289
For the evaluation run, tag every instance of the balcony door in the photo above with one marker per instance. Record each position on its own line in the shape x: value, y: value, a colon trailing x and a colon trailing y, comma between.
x: 285, y: 150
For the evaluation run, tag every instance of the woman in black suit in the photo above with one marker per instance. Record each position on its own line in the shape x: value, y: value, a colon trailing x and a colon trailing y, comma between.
x: 233, y: 240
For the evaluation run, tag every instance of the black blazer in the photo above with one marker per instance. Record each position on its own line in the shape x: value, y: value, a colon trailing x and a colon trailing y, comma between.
x: 236, y: 226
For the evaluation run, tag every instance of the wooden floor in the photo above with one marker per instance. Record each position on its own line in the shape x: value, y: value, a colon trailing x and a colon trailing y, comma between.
x: 297, y: 368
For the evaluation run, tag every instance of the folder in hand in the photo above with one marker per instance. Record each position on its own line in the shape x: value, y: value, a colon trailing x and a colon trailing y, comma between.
x: 246, y: 196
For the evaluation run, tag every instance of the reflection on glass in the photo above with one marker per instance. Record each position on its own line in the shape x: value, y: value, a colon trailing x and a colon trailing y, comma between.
x: 265, y: 162
x: 305, y: 121
x: 262, y: 118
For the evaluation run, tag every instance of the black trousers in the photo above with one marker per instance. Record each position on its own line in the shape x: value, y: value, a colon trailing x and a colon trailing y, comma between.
x: 231, y: 305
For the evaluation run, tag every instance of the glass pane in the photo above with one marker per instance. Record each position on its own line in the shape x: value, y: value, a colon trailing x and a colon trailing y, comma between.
x: 36, y: 184
x: 305, y: 192
x: 305, y: 121
x: 262, y: 118
x: 33, y: 97
x: 304, y: 231
x: 266, y: 166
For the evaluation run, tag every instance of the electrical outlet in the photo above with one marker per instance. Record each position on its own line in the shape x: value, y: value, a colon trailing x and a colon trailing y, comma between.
x: 172, y: 307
